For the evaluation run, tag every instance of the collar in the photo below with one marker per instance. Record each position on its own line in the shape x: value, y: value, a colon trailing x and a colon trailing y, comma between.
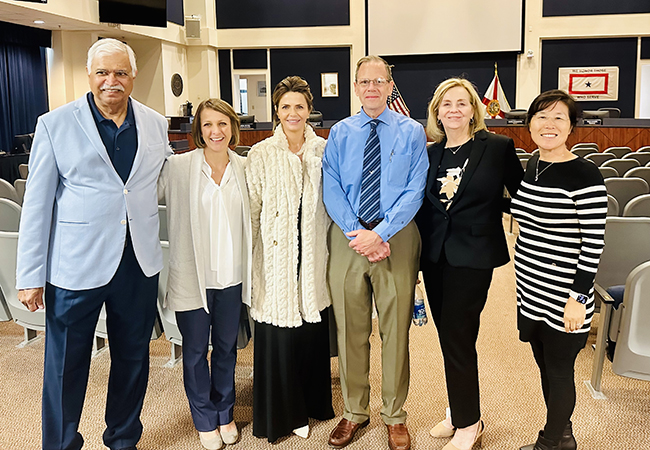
x: 99, y: 118
x: 383, y: 117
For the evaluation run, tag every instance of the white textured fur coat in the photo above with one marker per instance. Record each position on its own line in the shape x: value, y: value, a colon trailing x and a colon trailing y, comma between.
x: 276, y: 179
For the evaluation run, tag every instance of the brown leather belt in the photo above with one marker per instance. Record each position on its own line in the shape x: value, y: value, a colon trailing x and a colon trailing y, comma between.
x: 370, y: 225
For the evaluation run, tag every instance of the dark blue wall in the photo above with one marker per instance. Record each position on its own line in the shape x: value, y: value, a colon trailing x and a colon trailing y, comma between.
x: 249, y: 59
x: 225, y: 78
x: 594, y: 7
x: 621, y: 52
x: 281, y: 13
x: 309, y: 63
x: 418, y: 76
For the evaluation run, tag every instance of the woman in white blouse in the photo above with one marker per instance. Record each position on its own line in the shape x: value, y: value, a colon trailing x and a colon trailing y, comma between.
x: 290, y: 298
x: 209, y: 265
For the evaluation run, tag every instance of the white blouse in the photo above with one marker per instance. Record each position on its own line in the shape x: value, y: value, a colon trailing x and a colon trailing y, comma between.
x: 221, y: 226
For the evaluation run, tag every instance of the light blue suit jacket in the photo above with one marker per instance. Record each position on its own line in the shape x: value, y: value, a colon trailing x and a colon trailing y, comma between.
x: 76, y: 207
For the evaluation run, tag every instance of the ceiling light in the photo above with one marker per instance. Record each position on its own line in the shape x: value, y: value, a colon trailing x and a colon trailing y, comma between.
x: 39, y: 22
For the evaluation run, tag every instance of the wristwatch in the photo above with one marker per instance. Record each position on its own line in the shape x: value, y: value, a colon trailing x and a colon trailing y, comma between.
x: 582, y: 299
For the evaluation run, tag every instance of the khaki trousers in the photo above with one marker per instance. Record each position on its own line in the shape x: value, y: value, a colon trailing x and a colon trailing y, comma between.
x: 352, y: 281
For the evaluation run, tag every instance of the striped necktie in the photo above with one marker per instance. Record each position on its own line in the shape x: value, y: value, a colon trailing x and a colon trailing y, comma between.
x: 370, y: 178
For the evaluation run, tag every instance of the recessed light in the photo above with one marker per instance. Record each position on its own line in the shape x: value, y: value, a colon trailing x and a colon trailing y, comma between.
x: 40, y: 22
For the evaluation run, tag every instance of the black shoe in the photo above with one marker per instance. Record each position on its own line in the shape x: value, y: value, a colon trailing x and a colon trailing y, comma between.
x: 568, y: 442
x: 542, y: 444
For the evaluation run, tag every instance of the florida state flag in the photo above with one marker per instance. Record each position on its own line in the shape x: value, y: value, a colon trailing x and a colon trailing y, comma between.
x: 495, y: 99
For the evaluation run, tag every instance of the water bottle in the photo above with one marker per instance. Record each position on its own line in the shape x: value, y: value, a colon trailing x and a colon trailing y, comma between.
x: 419, y: 311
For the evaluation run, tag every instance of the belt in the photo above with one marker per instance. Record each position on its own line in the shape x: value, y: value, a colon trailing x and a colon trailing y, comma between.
x: 370, y: 225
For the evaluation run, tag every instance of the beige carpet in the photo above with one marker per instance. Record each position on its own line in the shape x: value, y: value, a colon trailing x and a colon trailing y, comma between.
x: 511, y: 395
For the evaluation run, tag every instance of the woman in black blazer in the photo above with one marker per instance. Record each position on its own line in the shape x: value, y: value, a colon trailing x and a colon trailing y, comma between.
x: 463, y: 241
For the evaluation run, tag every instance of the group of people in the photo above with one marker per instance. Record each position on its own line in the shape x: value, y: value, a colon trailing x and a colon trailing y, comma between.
x: 300, y: 231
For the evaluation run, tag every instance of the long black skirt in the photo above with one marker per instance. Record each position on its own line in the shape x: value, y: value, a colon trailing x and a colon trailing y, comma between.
x: 292, y: 377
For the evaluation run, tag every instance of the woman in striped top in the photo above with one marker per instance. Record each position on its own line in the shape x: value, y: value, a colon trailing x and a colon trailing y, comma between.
x: 560, y: 207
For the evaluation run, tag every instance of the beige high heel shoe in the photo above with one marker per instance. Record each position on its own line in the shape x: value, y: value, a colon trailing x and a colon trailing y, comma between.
x: 478, y: 440
x: 442, y: 431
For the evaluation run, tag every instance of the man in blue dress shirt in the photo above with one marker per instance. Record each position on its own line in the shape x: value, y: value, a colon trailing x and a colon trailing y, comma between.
x: 374, y: 173
x: 89, y: 238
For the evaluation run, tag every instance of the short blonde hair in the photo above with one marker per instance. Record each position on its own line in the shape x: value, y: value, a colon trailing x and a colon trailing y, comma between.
x: 435, y: 129
x: 218, y: 105
x: 375, y: 59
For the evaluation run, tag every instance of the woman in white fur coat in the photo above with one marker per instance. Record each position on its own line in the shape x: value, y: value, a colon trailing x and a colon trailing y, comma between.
x: 290, y: 298
x: 210, y: 250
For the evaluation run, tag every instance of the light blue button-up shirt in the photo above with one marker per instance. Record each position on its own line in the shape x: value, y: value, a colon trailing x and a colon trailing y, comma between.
x: 404, y: 167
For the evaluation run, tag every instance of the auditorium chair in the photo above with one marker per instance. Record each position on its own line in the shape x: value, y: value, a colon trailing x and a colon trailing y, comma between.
x: 626, y: 247
x: 625, y: 189
x: 584, y: 151
x: 639, y: 172
x: 632, y: 354
x: 644, y: 149
x: 600, y: 158
x: 163, y: 232
x: 586, y: 145
x: 621, y: 165
x: 8, y: 191
x: 608, y: 172
x: 638, y: 207
x: 642, y: 157
x: 19, y: 185
x: 618, y: 151
x: 242, y: 150
x: 23, y: 170
x: 612, y: 206
x: 9, y: 215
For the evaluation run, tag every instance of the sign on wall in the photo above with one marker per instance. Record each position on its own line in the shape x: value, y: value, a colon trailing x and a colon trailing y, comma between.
x: 589, y: 83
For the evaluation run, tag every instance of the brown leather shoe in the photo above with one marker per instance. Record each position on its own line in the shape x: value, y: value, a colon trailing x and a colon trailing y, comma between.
x: 398, y: 437
x: 344, y: 432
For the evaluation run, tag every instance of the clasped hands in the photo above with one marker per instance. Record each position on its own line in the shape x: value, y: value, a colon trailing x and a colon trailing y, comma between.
x: 369, y: 244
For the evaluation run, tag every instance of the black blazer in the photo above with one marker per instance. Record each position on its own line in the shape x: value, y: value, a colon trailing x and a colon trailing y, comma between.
x: 471, y: 231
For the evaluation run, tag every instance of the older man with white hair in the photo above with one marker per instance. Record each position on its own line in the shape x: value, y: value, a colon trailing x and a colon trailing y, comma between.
x: 89, y: 238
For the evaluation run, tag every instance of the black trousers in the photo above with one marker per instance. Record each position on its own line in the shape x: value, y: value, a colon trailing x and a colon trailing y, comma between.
x: 555, y: 354
x: 457, y: 296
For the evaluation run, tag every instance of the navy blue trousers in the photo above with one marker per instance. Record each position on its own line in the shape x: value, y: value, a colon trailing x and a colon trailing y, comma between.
x: 71, y: 318
x: 211, y: 395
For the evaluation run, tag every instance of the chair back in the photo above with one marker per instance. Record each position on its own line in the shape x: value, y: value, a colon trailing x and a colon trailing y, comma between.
x: 625, y: 189
x: 584, y: 151
x: 7, y: 190
x: 626, y: 246
x: 612, y: 206
x: 9, y: 215
x: 23, y: 317
x: 621, y: 165
x: 608, y: 172
x: 632, y: 355
x: 638, y: 207
x: 242, y: 150
x: 520, y: 150
x: 23, y: 170
x: 639, y: 172
x: 586, y: 145
x: 618, y: 151
x: 19, y: 185
x: 163, y: 232
x: 644, y: 149
x: 600, y: 158
x: 642, y: 157
x: 614, y: 113
x: 524, y: 162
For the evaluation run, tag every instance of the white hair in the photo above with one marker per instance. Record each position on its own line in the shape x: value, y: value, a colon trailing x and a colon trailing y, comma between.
x: 110, y: 46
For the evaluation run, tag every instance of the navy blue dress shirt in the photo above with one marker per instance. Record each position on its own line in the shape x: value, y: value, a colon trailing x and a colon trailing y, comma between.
x: 121, y: 143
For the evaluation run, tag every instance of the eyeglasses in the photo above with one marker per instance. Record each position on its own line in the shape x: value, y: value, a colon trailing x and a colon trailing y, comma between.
x: 379, y: 82
x: 541, y: 117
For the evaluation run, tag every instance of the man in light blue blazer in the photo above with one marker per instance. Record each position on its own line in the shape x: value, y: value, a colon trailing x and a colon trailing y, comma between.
x: 88, y: 238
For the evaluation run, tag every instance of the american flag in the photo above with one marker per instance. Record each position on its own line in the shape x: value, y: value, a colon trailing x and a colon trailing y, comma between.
x: 396, y: 102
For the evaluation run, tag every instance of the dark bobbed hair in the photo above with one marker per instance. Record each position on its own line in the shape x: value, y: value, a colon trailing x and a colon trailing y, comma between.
x: 291, y: 84
x: 549, y: 98
x: 218, y: 105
